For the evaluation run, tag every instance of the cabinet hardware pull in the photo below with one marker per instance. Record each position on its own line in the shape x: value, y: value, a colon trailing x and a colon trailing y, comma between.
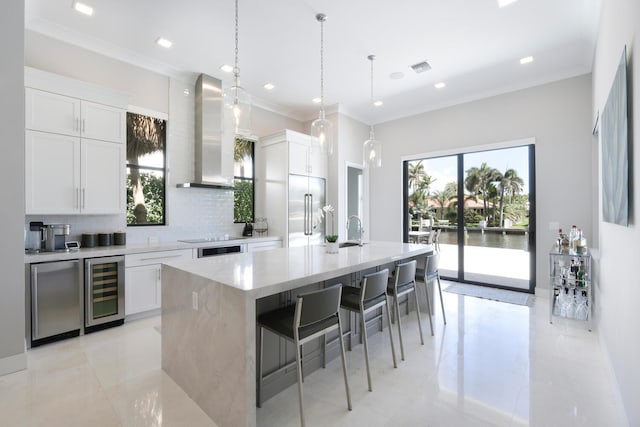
x: 83, y: 198
x: 83, y: 126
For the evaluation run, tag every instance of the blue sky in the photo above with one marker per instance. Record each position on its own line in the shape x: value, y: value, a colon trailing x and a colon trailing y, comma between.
x: 443, y: 169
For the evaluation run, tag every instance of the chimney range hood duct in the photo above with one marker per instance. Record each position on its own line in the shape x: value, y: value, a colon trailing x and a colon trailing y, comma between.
x: 208, y: 136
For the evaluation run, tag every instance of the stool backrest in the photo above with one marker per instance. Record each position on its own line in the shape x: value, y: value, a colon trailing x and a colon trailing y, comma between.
x: 431, y: 264
x: 405, y: 273
x: 313, y: 307
x: 375, y: 284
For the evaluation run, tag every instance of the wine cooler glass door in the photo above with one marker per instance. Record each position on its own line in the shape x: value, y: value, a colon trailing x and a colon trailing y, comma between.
x: 104, y: 280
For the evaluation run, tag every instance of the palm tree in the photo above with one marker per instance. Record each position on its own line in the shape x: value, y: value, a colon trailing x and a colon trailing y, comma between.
x: 510, y: 184
x: 145, y: 135
x: 479, y: 180
x: 416, y: 174
x: 442, y: 197
x: 242, y: 148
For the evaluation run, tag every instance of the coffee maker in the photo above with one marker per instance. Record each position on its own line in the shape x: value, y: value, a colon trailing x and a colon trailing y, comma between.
x: 55, y: 237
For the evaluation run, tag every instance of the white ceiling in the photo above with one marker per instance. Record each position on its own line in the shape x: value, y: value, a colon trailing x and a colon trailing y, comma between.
x: 472, y: 45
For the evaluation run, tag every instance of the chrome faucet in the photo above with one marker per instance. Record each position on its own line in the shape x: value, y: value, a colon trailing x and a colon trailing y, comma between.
x: 360, y: 230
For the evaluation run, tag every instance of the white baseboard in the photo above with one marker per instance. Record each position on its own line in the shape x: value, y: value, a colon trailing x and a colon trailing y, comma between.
x: 14, y: 363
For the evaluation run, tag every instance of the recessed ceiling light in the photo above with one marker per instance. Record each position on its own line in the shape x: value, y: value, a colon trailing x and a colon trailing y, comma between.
x: 83, y: 8
x: 526, y: 60
x: 226, y: 68
x: 316, y: 100
x: 503, y: 3
x: 161, y: 41
x: 440, y: 85
x: 269, y: 86
x: 186, y: 92
x: 397, y: 75
x: 378, y: 103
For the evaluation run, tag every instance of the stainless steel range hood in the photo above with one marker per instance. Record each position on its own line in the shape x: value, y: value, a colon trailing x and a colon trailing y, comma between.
x: 208, y: 136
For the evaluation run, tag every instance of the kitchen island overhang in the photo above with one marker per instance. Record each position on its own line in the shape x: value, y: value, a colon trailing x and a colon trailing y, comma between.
x: 209, y: 315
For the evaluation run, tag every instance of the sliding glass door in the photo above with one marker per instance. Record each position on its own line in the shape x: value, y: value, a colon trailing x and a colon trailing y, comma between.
x: 478, y: 207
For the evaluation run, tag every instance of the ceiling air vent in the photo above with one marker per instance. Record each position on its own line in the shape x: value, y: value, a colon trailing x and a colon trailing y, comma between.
x: 421, y: 67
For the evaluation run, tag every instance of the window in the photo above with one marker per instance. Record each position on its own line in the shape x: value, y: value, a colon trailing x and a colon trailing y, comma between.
x: 146, y: 174
x: 243, y: 173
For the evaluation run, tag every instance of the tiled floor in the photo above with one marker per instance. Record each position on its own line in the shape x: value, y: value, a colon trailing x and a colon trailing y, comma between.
x: 494, y: 364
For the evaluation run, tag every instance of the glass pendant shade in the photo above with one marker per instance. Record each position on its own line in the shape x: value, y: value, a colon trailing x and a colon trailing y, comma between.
x: 372, y: 150
x: 238, y: 102
x: 322, y: 129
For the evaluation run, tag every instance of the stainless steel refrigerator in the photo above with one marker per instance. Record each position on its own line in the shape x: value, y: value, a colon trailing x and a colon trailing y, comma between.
x: 306, y: 199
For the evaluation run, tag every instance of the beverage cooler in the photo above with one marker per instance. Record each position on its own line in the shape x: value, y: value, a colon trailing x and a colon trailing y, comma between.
x: 104, y: 292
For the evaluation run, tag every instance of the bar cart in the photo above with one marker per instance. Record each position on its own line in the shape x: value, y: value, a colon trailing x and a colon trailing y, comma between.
x: 571, y: 293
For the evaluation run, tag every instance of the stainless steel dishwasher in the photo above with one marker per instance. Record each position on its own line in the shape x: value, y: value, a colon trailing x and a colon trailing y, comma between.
x: 56, y: 307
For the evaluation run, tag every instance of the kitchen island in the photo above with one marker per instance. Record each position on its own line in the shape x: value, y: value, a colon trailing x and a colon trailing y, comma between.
x: 209, y: 315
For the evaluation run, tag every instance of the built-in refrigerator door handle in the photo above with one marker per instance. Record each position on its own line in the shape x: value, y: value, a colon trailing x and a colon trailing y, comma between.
x: 307, y: 214
x: 310, y: 214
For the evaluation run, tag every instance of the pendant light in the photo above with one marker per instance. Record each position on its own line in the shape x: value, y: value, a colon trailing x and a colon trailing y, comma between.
x: 321, y: 128
x: 372, y: 148
x: 236, y: 99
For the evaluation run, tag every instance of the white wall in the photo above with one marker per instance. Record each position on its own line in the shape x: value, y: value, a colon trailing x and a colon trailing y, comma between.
x: 618, y: 289
x: 351, y: 136
x: 12, y: 310
x: 557, y: 115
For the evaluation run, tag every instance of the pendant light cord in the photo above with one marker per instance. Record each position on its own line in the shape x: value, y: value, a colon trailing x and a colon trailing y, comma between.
x: 371, y: 59
x: 236, y: 70
x: 321, y: 17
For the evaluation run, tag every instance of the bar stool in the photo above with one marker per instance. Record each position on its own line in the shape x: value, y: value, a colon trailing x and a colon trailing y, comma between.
x: 315, y: 314
x: 429, y: 274
x: 371, y: 295
x: 404, y: 283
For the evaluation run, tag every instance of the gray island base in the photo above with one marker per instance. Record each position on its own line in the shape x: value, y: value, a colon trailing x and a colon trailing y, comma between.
x: 209, y: 315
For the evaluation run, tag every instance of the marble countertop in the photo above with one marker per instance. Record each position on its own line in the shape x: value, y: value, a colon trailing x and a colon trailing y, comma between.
x: 134, y: 248
x: 260, y: 274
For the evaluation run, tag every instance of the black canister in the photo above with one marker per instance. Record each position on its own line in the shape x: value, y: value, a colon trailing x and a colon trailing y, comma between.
x: 120, y: 238
x: 89, y: 240
x: 104, y: 239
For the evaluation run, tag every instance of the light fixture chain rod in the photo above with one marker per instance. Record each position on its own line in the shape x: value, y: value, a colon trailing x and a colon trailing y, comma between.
x: 236, y: 70
x: 371, y: 81
x: 322, y: 65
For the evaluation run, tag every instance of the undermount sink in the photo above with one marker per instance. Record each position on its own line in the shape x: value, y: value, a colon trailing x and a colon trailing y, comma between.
x: 348, y: 244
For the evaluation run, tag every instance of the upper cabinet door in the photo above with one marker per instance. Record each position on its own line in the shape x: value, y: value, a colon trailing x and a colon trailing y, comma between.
x: 103, y: 177
x: 49, y: 112
x: 52, y: 168
x: 298, y: 159
x: 103, y: 122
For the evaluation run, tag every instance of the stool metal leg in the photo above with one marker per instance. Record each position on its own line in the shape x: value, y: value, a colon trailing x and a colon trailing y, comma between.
x: 344, y: 364
x: 397, y: 313
x: 299, y: 363
x: 393, y: 350
x: 363, y: 334
x: 415, y: 295
x: 444, y: 317
x: 426, y: 291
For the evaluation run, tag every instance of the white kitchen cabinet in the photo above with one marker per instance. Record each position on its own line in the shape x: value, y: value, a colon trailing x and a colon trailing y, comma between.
x: 52, y: 173
x: 102, y: 176
x: 51, y: 112
x: 264, y: 246
x: 70, y: 175
x: 304, y: 157
x: 143, y: 279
